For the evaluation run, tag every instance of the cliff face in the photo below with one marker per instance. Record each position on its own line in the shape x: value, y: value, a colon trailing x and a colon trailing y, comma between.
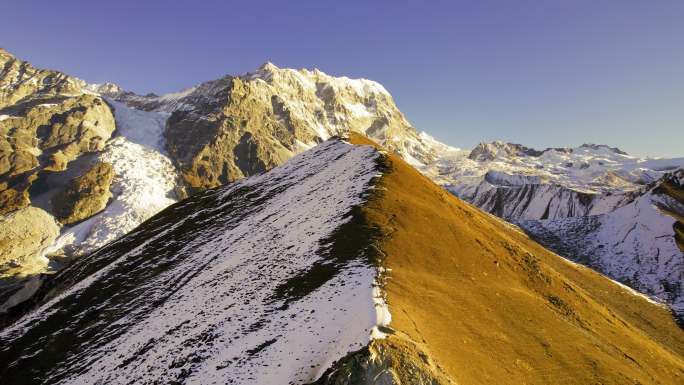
x: 47, y: 121
x: 45, y: 135
x: 20, y: 81
x: 238, y: 126
x: 85, y: 195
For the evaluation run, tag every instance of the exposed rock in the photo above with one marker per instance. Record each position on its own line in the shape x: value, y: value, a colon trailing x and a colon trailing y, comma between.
x: 46, y: 134
x: 85, y: 195
x: 24, y: 234
x: 490, y: 151
x: 20, y: 80
x: 386, y: 362
x: 603, y: 146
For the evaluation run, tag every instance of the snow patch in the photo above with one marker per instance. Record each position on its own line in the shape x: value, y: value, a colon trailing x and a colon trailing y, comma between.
x: 143, y: 185
x: 144, y: 181
x: 209, y: 314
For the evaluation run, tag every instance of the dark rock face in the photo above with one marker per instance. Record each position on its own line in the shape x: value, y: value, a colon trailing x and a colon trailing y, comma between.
x: 489, y: 151
x: 85, y: 195
x: 600, y: 146
x: 531, y: 201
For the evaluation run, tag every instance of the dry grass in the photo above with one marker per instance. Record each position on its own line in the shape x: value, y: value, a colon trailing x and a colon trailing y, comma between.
x: 494, y: 307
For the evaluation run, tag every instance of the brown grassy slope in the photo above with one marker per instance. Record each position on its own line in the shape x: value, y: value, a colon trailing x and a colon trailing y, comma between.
x: 494, y: 307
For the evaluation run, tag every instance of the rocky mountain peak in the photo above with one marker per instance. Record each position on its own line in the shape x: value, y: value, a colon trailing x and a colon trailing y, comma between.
x: 4, y: 54
x: 105, y: 89
x: 592, y: 146
x: 490, y: 151
x: 235, y: 126
x: 268, y: 67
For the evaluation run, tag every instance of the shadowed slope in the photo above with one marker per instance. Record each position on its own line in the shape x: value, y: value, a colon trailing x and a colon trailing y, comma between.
x: 494, y: 307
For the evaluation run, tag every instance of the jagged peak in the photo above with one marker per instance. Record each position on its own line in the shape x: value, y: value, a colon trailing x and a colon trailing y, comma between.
x: 489, y: 151
x: 600, y: 146
x: 268, y: 66
x: 106, y: 88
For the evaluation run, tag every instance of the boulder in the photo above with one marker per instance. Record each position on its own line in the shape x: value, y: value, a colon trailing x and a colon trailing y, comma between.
x: 24, y: 235
x: 85, y: 195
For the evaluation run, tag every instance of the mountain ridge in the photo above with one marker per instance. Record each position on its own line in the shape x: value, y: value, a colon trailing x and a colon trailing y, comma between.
x: 178, y: 315
x: 166, y: 148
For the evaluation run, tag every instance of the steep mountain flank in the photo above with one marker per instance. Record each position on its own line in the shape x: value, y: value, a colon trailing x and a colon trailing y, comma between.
x: 493, y: 306
x: 48, y: 122
x: 237, y: 126
x: 267, y: 280
x: 519, y: 183
x: 53, y: 128
x: 343, y: 266
x: 636, y: 244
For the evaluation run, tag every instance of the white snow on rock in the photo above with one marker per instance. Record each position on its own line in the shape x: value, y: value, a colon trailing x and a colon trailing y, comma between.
x: 143, y: 184
x: 141, y: 127
x: 634, y: 244
x: 197, y: 293
x: 588, y: 168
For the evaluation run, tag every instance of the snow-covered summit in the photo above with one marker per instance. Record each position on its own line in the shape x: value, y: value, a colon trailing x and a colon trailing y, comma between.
x: 587, y: 168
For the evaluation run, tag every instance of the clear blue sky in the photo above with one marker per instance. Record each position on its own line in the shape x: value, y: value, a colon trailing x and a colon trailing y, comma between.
x: 542, y: 73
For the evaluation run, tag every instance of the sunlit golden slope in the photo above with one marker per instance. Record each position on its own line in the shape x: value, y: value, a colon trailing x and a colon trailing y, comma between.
x: 491, y: 306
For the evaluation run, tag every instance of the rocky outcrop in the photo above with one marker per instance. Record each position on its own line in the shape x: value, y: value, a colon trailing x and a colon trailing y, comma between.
x: 24, y: 234
x: 85, y: 195
x: 19, y: 80
x: 45, y: 135
x: 47, y: 119
x: 241, y: 136
x: 392, y: 361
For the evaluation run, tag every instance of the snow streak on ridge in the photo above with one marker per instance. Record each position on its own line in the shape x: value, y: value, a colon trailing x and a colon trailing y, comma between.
x: 209, y: 290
